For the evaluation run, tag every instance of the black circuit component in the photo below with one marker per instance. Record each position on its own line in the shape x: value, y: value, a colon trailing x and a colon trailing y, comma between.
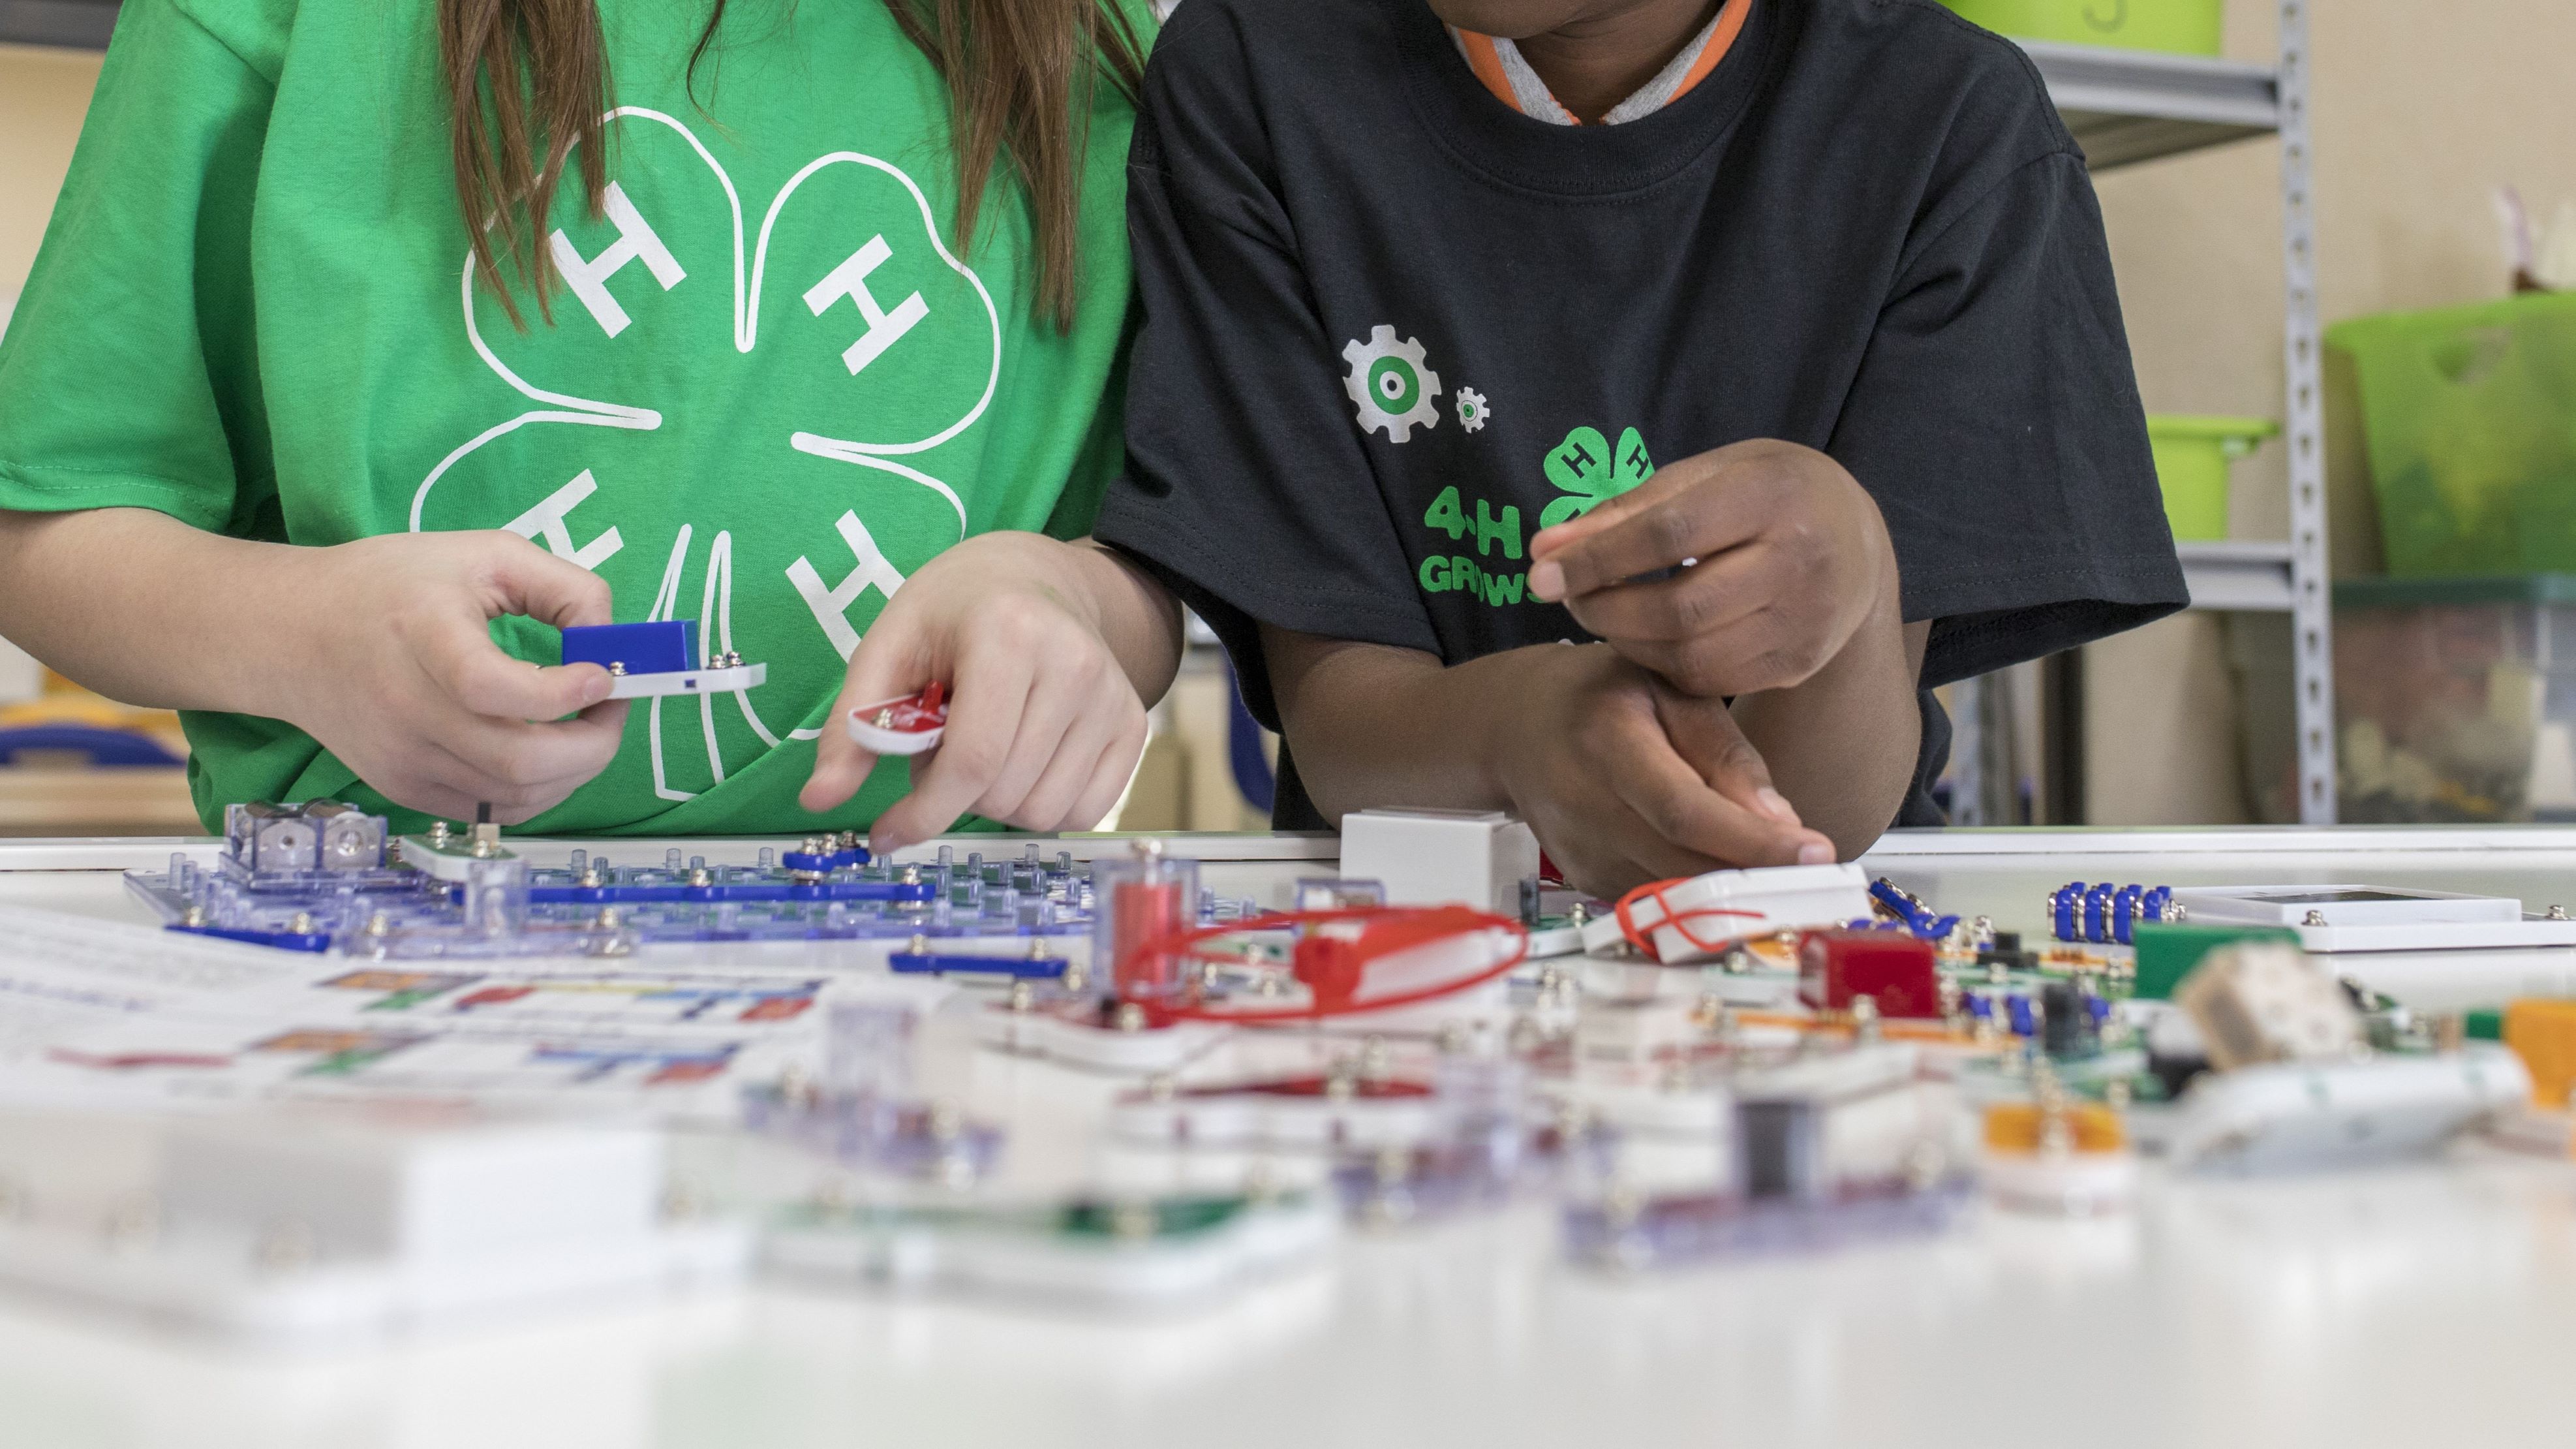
x: 2066, y: 1026
x: 1781, y: 1147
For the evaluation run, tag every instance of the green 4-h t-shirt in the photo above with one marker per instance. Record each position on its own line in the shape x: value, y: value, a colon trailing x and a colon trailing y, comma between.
x: 772, y: 388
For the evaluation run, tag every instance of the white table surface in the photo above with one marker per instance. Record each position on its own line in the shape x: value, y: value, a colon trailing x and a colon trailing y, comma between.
x: 2422, y: 1305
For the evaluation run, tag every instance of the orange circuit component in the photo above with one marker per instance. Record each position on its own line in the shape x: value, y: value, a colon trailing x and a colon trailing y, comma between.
x: 2015, y: 1127
x: 2543, y: 1034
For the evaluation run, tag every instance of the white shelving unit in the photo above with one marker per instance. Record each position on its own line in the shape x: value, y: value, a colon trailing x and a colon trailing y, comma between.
x: 2125, y: 107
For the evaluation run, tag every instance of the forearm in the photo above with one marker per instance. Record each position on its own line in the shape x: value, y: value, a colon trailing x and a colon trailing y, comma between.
x: 1842, y: 745
x: 1375, y: 726
x: 142, y: 607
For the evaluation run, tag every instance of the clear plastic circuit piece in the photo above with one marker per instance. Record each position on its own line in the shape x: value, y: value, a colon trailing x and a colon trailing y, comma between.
x: 869, y: 1111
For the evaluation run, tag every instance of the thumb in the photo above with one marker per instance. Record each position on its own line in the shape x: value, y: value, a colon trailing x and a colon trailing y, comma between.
x: 889, y: 663
x: 521, y: 577
x: 1704, y: 733
x: 1604, y: 514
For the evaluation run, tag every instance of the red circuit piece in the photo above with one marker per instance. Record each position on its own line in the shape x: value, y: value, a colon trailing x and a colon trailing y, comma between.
x: 1895, y: 970
x: 1149, y: 912
x: 905, y: 726
x: 1332, y: 956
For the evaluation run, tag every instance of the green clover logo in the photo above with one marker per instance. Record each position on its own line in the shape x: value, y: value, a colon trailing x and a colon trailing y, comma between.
x: 1591, y: 472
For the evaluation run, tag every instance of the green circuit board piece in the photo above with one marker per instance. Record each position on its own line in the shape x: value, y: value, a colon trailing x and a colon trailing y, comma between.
x: 2168, y: 951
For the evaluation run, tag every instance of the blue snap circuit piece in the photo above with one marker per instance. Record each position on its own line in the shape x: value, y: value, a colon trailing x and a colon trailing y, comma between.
x: 2062, y: 908
x: 282, y: 940
x: 1022, y: 968
x: 667, y: 646
x: 1909, y: 910
x: 807, y: 860
x: 2097, y: 914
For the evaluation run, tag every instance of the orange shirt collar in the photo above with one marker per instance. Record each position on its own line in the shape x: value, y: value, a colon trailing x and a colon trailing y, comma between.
x: 1486, y: 59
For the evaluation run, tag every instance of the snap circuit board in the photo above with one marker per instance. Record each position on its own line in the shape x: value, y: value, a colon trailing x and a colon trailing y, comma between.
x: 323, y: 876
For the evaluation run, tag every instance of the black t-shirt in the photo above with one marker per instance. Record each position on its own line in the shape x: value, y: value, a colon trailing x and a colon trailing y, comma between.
x: 1392, y: 327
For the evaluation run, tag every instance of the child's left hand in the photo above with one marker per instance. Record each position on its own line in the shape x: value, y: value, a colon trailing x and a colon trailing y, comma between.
x: 1786, y: 556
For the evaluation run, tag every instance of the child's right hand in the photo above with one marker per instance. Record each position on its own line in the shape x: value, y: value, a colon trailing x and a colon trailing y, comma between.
x: 1626, y: 780
x: 1044, y: 727
x: 396, y: 674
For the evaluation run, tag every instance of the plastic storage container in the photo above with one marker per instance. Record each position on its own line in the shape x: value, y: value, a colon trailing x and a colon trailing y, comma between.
x: 2192, y: 458
x: 2189, y: 27
x: 2455, y: 698
x: 2469, y: 419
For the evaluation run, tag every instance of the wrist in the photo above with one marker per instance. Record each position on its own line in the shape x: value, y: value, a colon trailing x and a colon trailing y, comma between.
x: 267, y: 666
x: 1526, y: 688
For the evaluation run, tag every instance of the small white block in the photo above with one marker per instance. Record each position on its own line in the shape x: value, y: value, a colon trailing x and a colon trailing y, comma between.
x: 376, y: 1189
x: 2288, y: 1116
x: 1441, y: 857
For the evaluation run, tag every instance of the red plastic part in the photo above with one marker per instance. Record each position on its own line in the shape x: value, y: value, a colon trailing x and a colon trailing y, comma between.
x: 1642, y: 938
x: 1895, y: 970
x: 1148, y: 913
x: 1332, y: 966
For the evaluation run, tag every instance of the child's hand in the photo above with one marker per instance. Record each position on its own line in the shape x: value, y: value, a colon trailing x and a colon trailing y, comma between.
x: 397, y: 674
x: 1626, y: 781
x: 1790, y: 556
x: 1044, y: 728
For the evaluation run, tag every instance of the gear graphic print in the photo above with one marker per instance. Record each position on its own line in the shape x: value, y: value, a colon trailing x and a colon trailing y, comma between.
x: 1391, y: 384
x: 1472, y: 411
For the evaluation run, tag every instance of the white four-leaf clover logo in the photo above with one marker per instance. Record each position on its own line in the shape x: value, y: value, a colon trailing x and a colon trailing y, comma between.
x: 752, y: 407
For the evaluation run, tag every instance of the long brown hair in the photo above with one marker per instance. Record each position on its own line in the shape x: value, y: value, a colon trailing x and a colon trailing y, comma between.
x: 528, y: 86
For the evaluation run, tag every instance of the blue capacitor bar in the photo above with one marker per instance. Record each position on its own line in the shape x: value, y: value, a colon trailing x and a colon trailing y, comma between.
x: 931, y: 963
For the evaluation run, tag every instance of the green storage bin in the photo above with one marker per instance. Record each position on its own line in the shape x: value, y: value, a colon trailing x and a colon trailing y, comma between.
x: 2192, y: 458
x: 2186, y: 27
x: 2469, y: 418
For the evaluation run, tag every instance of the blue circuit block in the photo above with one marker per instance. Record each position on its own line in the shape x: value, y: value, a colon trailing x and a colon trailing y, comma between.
x: 806, y: 860
x: 669, y: 646
x: 282, y: 940
x: 926, y: 963
x: 2024, y: 1021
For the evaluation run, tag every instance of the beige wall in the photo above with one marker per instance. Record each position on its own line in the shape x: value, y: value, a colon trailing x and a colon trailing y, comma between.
x: 2420, y: 111
x: 43, y: 94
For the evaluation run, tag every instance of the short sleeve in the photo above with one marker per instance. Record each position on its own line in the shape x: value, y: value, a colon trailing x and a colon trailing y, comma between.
x: 1995, y: 418
x: 1246, y: 488
x: 128, y: 377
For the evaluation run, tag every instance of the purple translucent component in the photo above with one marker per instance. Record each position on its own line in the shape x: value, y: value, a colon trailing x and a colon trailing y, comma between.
x: 907, y: 1139
x: 1653, y: 1232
